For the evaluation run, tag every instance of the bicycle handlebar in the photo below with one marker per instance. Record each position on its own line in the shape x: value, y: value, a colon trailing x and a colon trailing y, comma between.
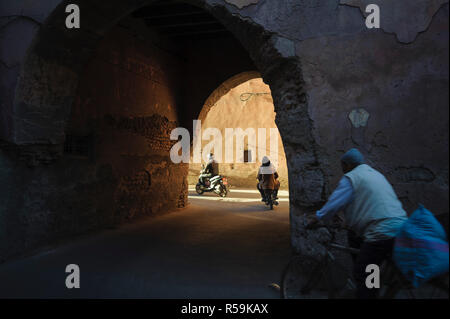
x: 333, y: 230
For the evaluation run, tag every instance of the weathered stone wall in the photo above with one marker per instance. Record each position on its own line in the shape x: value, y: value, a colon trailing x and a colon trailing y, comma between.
x: 326, y: 64
x: 127, y: 101
x: 19, y: 23
x: 114, y: 165
x: 401, y: 91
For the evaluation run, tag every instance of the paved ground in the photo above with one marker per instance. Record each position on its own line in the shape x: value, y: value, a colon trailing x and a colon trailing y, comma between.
x: 216, y: 248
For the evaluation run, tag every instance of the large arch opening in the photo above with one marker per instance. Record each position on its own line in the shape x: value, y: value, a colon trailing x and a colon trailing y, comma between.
x: 237, y: 125
x: 243, y: 102
x: 64, y: 115
x: 145, y: 79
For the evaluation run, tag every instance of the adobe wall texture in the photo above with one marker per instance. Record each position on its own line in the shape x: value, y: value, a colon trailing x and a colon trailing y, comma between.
x: 127, y: 103
x: 247, y: 106
x: 335, y: 85
x: 115, y: 163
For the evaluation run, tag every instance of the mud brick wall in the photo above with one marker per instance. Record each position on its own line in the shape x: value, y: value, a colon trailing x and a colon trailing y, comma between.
x: 131, y: 115
x: 118, y: 168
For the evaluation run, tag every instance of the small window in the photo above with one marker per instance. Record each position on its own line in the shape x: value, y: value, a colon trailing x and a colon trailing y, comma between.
x: 247, y: 156
x: 77, y: 145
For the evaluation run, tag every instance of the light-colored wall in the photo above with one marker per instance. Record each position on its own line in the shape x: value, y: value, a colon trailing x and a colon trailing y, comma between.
x: 249, y: 105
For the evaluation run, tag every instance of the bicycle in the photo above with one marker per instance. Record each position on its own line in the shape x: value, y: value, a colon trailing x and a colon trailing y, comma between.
x: 325, y: 278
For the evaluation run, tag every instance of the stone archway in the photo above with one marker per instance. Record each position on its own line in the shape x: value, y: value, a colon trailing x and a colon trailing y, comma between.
x: 243, y: 101
x: 51, y: 72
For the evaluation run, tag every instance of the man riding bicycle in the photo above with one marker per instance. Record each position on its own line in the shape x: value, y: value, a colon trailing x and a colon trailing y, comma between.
x: 371, y: 210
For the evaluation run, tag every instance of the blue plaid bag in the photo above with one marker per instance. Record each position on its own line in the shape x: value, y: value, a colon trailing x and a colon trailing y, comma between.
x: 421, y: 248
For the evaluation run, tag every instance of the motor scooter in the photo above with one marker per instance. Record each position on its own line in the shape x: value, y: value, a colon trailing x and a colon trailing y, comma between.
x: 217, y: 184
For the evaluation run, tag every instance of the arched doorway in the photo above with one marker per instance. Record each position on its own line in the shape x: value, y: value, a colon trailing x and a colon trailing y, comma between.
x: 47, y: 91
x: 243, y: 102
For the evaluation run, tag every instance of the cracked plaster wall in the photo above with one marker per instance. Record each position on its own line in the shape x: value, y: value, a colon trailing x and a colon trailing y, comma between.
x: 398, y: 74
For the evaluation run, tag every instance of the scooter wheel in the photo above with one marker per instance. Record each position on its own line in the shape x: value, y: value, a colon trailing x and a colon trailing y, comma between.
x: 223, y: 192
x: 199, y: 189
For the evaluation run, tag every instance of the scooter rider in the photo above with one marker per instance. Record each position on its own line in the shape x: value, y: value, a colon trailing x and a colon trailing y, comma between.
x: 268, y: 179
x: 211, y: 169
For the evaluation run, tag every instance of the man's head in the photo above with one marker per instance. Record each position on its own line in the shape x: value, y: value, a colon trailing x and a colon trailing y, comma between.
x: 265, y: 161
x: 351, y: 159
x: 210, y: 157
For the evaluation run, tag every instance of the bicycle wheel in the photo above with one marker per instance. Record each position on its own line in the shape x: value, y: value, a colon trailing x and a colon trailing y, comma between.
x: 304, y: 279
x: 434, y: 289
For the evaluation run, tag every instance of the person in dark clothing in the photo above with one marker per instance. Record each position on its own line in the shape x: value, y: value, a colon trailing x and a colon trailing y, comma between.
x: 268, y: 179
x: 371, y: 253
x: 211, y: 169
